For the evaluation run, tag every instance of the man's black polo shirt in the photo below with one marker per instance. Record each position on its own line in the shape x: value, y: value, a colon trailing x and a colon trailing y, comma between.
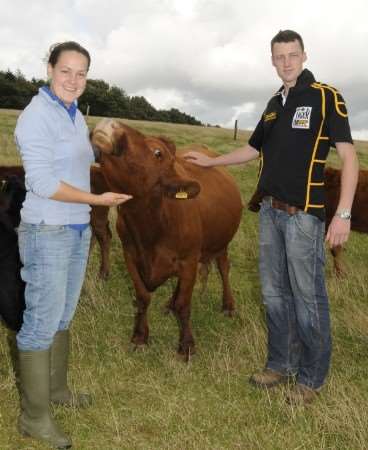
x: 294, y: 141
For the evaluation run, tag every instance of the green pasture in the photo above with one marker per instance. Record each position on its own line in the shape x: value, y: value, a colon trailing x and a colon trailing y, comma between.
x: 151, y: 399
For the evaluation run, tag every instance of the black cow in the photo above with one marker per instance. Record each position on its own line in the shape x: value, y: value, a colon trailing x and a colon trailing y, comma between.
x: 99, y: 214
x: 12, y: 193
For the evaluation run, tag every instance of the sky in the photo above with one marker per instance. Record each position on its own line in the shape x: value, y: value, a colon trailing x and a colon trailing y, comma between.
x: 208, y: 58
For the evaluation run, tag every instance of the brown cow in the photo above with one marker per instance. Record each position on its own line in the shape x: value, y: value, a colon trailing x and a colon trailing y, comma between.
x: 359, y: 216
x: 99, y: 214
x: 180, y: 215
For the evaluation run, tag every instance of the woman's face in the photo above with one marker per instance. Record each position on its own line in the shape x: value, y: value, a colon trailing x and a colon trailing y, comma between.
x: 68, y: 76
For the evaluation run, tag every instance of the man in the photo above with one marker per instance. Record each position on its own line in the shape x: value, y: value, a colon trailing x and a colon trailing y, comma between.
x: 292, y: 139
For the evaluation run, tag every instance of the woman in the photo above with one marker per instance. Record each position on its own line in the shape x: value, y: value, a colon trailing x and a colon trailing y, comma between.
x: 54, y: 237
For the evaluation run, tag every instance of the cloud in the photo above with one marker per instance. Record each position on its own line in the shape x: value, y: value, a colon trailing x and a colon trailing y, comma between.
x: 209, y: 58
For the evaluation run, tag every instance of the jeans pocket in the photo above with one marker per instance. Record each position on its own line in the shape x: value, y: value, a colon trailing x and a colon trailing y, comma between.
x: 310, y: 226
x: 265, y: 205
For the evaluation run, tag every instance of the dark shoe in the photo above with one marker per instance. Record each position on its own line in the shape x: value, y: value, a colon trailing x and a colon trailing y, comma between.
x: 35, y: 419
x: 301, y: 395
x: 60, y: 392
x: 268, y: 378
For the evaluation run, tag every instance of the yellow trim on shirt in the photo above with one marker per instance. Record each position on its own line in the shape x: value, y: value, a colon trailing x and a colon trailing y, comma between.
x: 313, y: 160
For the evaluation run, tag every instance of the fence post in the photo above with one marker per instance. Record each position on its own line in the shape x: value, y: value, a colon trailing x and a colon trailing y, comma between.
x: 235, y: 129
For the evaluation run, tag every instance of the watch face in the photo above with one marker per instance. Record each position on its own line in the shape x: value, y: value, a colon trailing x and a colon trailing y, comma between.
x: 344, y: 214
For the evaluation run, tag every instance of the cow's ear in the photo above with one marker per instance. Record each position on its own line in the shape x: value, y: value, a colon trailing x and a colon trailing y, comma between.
x: 181, y: 189
x: 121, y: 144
x: 169, y: 144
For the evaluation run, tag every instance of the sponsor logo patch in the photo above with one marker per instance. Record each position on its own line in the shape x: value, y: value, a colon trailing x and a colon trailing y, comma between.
x: 302, y: 117
x: 270, y: 116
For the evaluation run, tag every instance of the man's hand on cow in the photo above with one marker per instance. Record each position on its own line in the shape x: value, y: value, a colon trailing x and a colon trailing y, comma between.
x: 338, y: 231
x: 198, y: 158
x: 112, y: 199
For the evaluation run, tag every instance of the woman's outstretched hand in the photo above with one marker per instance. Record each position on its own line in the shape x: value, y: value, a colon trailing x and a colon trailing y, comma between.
x: 112, y: 199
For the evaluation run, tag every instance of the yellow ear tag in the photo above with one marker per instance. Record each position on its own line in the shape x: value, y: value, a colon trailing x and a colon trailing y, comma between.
x: 182, y: 195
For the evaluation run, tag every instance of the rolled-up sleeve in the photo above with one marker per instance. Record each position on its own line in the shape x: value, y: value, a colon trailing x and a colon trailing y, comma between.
x: 35, y: 145
x: 256, y: 139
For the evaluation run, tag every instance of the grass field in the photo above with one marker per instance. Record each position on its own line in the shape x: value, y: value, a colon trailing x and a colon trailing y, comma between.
x: 151, y: 400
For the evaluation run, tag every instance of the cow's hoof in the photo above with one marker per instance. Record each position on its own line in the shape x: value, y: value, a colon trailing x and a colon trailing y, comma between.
x: 228, y: 312
x: 340, y: 273
x: 104, y: 275
x: 139, y: 348
x: 139, y: 340
x: 186, y: 352
x: 184, y: 357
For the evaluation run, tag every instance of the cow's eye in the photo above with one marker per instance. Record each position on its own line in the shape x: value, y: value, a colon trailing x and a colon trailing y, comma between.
x: 157, y: 152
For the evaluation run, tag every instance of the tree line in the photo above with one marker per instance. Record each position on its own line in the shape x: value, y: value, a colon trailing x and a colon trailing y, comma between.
x: 103, y: 100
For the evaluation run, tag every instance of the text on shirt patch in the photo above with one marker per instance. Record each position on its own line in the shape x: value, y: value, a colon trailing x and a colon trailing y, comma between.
x: 270, y: 116
x: 302, y: 117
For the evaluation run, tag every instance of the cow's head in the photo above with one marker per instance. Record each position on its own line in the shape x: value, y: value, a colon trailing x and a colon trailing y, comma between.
x: 139, y: 165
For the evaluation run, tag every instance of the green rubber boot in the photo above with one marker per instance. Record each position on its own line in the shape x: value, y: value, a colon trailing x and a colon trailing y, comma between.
x: 35, y: 419
x: 60, y: 392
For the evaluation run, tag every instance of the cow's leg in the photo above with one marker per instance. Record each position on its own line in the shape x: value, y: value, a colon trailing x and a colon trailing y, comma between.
x: 170, y: 305
x: 338, y: 265
x: 181, y: 308
x: 203, y: 272
x: 143, y: 298
x: 223, y: 265
x: 102, y: 233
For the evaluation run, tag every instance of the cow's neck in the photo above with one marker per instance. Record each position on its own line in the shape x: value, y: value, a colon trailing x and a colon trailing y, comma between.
x: 143, y: 218
x: 143, y: 222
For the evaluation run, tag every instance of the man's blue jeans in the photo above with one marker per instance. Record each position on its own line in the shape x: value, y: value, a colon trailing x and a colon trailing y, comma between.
x: 292, y: 262
x: 54, y: 259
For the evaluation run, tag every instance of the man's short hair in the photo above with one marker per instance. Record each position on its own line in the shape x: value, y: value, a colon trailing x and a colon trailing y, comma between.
x: 287, y: 36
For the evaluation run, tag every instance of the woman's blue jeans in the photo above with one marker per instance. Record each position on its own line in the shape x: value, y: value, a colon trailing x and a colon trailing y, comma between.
x: 54, y: 259
x: 292, y: 263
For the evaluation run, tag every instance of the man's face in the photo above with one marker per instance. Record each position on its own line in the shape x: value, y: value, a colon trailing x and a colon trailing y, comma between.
x: 288, y: 59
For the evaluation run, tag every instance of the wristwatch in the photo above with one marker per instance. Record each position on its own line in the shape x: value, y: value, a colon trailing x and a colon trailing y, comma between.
x: 344, y: 214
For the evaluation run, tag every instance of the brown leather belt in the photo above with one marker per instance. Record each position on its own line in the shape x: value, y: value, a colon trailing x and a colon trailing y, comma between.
x: 278, y: 204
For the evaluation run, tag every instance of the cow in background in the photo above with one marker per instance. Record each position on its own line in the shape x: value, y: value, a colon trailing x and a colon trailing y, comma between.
x: 12, y: 193
x: 99, y: 214
x: 359, y: 216
x: 180, y: 215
